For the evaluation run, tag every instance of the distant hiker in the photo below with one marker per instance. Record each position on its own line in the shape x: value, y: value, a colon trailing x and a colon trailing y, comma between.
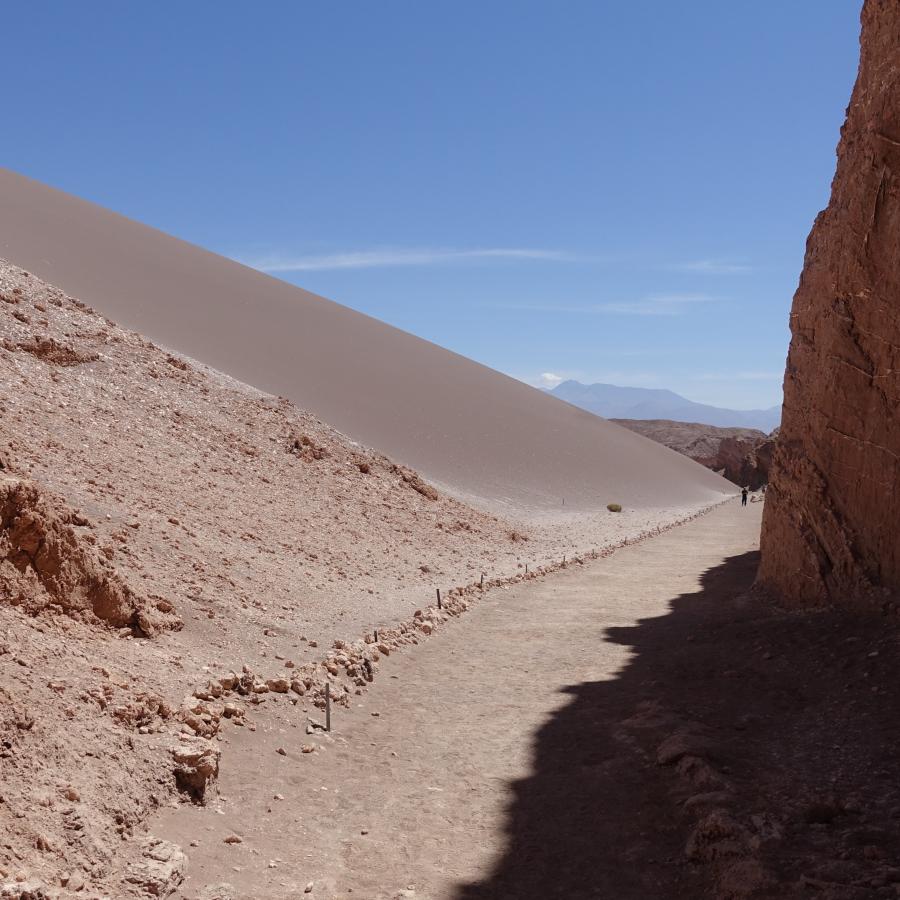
x: 743, y: 496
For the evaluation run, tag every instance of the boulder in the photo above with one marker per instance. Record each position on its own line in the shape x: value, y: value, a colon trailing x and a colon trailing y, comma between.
x: 160, y: 869
x: 196, y: 766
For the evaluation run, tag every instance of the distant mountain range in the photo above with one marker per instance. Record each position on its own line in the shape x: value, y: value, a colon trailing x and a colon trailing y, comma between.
x: 614, y: 402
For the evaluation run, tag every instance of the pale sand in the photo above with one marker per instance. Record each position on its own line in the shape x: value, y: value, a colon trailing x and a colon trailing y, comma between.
x: 459, y: 423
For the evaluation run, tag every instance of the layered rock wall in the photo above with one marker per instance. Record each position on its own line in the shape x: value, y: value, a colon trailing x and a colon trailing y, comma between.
x: 742, y: 455
x: 831, y: 531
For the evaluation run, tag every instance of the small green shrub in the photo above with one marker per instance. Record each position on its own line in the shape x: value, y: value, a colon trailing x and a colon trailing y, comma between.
x: 614, y: 507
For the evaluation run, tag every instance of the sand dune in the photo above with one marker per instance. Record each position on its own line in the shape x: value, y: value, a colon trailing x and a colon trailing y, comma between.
x: 461, y: 424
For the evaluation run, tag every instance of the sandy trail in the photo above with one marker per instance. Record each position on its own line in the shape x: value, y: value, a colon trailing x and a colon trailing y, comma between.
x: 411, y: 794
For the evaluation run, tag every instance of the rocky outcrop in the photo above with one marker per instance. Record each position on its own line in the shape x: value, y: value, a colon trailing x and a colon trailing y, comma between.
x: 47, y: 566
x: 759, y: 461
x: 831, y: 531
x: 742, y: 455
x: 196, y: 765
x: 160, y: 869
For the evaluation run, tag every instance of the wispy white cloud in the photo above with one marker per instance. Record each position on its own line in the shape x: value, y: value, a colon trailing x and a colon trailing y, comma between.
x: 550, y: 380
x: 653, y: 305
x: 713, y: 267
x: 628, y: 378
x: 738, y: 376
x: 429, y: 256
x: 658, y: 305
x: 368, y: 259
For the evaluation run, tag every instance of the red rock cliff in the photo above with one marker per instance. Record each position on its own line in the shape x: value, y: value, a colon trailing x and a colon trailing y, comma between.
x: 831, y: 530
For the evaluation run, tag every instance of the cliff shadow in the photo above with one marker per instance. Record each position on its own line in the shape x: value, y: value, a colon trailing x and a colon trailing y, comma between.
x: 743, y: 751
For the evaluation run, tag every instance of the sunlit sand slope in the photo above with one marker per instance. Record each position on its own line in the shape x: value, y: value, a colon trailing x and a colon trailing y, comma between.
x: 461, y: 424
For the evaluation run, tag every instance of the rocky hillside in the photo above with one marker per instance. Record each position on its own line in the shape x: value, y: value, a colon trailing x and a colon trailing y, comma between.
x: 159, y: 522
x: 832, y: 523
x: 177, y: 549
x: 742, y: 455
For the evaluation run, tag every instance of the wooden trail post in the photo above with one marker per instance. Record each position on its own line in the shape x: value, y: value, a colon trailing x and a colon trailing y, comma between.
x: 376, y: 635
x: 440, y: 606
x: 481, y: 584
x: 327, y: 706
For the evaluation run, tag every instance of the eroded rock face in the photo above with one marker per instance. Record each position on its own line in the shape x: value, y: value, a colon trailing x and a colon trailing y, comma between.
x: 742, y: 455
x: 196, y: 766
x: 45, y: 563
x: 160, y: 869
x: 831, y: 530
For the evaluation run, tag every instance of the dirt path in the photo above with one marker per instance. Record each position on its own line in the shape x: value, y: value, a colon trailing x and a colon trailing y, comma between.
x: 419, y: 791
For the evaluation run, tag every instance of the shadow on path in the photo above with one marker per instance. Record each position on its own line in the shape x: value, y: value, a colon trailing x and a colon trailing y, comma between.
x: 743, y: 751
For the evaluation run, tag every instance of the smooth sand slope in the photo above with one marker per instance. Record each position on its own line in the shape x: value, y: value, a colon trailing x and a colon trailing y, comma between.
x: 488, y: 762
x: 460, y: 423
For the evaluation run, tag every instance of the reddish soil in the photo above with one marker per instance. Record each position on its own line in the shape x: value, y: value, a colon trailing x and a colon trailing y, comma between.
x: 165, y: 527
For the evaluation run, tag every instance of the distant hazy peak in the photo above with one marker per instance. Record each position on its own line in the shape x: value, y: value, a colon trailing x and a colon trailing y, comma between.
x: 617, y: 402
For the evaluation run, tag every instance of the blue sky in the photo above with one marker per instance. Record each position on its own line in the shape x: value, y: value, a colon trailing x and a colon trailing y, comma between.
x: 600, y: 190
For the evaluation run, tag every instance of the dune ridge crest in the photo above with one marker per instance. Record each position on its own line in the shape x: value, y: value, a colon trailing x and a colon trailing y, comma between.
x: 481, y: 434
